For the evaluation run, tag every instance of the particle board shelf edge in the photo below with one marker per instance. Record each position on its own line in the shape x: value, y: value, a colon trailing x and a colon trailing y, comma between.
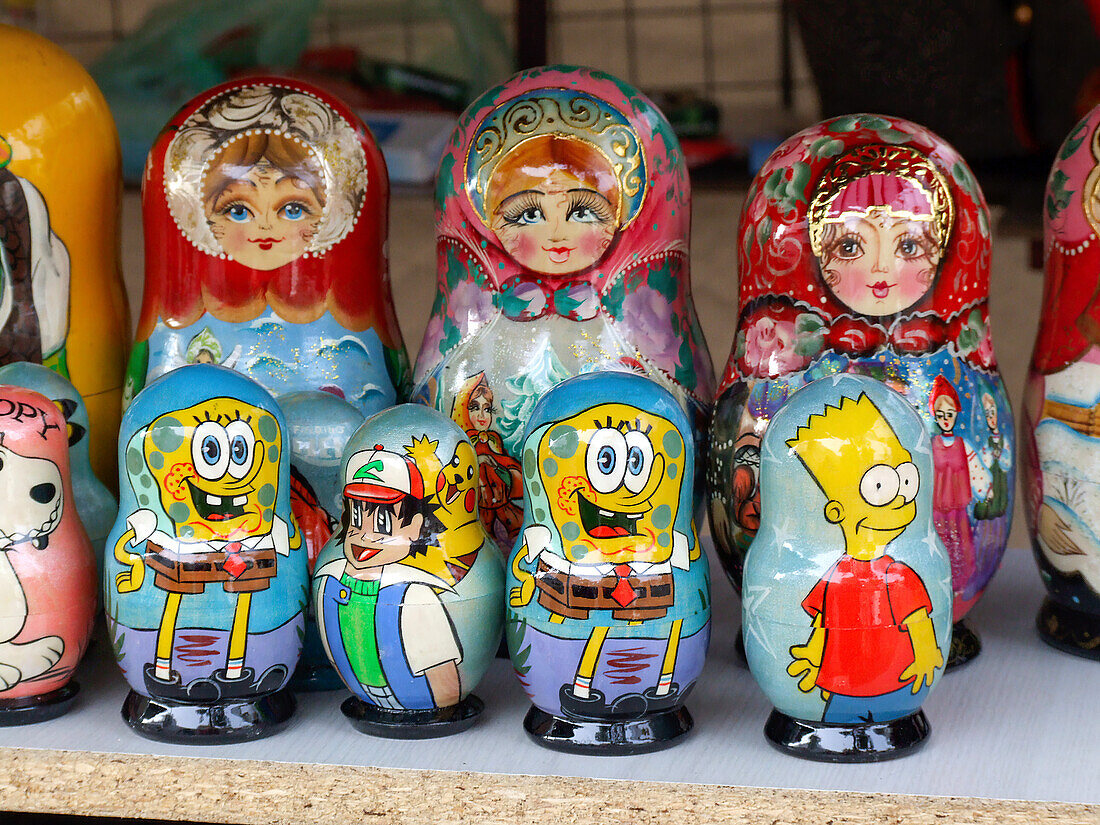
x: 271, y: 793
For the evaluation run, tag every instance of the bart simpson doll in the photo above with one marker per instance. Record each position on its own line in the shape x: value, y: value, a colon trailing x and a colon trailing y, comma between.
x: 873, y: 639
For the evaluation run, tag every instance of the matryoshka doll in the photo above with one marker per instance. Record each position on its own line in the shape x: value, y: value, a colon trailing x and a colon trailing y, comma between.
x: 865, y: 248
x: 205, y: 582
x: 62, y: 301
x: 47, y: 570
x: 265, y: 203
x: 562, y: 217
x: 1059, y: 430
x: 95, y: 505
x: 409, y: 592
x: 609, y: 594
x: 847, y: 605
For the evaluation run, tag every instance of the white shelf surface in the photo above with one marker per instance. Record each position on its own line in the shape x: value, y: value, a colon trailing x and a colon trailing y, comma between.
x: 1020, y: 722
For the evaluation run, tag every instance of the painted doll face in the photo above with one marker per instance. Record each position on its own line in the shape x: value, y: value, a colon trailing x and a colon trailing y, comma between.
x: 989, y: 406
x: 559, y: 225
x: 613, y: 474
x: 217, y: 467
x: 878, y: 263
x: 480, y: 409
x: 265, y: 218
x: 946, y: 413
x: 379, y: 533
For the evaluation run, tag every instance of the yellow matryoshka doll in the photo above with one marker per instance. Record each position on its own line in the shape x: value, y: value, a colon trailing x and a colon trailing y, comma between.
x: 59, y: 208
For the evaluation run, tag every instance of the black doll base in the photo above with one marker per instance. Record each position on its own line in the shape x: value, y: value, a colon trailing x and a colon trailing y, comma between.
x: 965, y: 646
x: 871, y: 742
x: 31, y: 709
x: 653, y: 732
x: 216, y: 723
x: 1069, y: 630
x: 412, y: 724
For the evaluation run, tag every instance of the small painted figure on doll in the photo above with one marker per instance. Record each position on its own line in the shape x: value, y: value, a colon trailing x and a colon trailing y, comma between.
x: 879, y: 615
x: 865, y: 249
x: 609, y: 549
x: 500, y: 491
x: 408, y: 593
x: 205, y: 586
x: 562, y: 225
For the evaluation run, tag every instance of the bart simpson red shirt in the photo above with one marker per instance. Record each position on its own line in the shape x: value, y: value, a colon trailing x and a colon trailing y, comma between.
x: 862, y: 605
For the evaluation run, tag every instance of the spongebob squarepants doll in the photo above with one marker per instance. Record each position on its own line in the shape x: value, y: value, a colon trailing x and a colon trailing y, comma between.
x: 205, y: 578
x: 847, y: 605
x: 609, y: 605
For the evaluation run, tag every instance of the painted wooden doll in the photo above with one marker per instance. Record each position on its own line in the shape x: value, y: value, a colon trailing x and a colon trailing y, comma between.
x: 265, y: 206
x: 59, y: 208
x: 864, y: 248
x: 206, y: 582
x: 47, y: 569
x: 321, y: 424
x: 409, y: 592
x: 95, y: 505
x: 563, y: 212
x: 1061, y: 439
x: 847, y: 586
x: 609, y: 593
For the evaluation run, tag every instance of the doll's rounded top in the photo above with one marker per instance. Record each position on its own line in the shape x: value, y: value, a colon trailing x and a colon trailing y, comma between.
x: 266, y: 192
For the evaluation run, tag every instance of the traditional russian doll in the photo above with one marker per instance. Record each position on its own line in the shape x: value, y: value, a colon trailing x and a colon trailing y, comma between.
x: 563, y: 212
x: 95, y: 505
x: 47, y: 569
x: 847, y: 607
x: 1059, y: 430
x: 265, y: 206
x: 865, y: 248
x: 206, y: 582
x: 59, y: 206
x: 609, y: 594
x: 409, y: 592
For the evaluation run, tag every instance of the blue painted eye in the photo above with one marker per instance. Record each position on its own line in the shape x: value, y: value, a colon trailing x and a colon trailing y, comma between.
x: 634, y: 461
x: 294, y: 211
x: 238, y: 213
x: 605, y: 460
x: 240, y: 447
x: 639, y: 461
x: 211, y: 450
x: 238, y: 450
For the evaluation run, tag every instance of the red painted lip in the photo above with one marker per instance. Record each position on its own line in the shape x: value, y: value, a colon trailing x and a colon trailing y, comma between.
x: 881, y: 289
x: 558, y: 249
x: 604, y: 531
x: 364, y: 553
x: 265, y: 243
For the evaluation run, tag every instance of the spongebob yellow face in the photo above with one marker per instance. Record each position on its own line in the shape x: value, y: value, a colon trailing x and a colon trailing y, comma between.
x: 613, y: 475
x: 869, y: 477
x: 217, y: 467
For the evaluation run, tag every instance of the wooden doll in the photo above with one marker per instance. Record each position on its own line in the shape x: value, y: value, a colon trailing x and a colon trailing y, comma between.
x: 563, y: 212
x: 847, y: 605
x: 47, y: 569
x: 265, y: 207
x: 409, y: 592
x: 609, y: 594
x: 1061, y: 439
x: 59, y: 208
x: 206, y: 581
x: 864, y: 248
x: 95, y: 505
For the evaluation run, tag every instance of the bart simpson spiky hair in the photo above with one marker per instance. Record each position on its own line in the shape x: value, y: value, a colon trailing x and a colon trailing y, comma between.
x: 841, y: 443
